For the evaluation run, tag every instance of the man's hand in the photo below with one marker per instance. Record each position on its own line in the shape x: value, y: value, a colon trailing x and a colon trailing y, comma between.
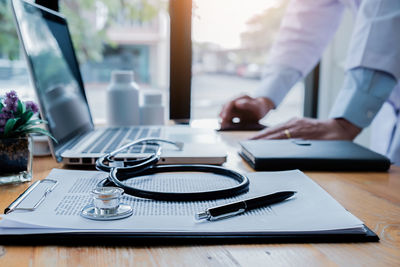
x: 247, y: 109
x: 312, y: 129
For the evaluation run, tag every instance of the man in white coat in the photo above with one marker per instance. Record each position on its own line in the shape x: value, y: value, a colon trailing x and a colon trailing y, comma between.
x: 372, y: 73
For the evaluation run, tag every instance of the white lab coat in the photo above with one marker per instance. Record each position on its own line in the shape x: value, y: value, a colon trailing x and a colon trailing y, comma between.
x: 309, y: 25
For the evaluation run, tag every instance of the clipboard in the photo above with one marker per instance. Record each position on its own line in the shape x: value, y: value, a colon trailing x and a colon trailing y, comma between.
x: 140, y: 239
x: 135, y: 237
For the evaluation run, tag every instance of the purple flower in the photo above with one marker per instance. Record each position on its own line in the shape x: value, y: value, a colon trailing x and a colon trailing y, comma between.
x: 11, y: 94
x: 10, y: 102
x: 14, y: 110
x: 4, y: 118
x: 30, y: 105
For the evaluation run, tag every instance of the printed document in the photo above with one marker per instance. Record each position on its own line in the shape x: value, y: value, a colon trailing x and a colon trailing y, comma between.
x: 311, y: 210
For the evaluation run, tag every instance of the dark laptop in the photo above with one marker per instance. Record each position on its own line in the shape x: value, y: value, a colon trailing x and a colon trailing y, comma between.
x: 316, y: 155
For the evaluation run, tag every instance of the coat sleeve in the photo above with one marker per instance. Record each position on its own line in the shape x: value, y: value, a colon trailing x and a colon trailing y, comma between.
x: 306, y: 29
x: 373, y: 62
x: 363, y: 94
x: 375, y: 41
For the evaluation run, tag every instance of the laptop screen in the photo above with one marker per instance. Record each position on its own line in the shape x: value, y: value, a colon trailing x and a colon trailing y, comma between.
x: 54, y: 70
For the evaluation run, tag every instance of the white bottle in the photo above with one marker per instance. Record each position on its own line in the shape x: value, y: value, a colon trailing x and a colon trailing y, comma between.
x: 151, y: 108
x: 123, y: 100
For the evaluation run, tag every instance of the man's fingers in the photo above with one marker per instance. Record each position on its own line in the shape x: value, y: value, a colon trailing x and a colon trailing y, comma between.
x: 247, y: 109
x: 247, y: 105
x: 306, y: 129
x: 227, y: 110
x: 279, y: 135
x: 264, y: 134
x: 275, y: 134
x: 273, y: 131
x: 243, y: 97
x: 281, y: 131
x: 226, y: 125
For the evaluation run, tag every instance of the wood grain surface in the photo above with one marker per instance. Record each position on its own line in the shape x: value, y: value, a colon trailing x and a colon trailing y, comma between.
x: 372, y: 197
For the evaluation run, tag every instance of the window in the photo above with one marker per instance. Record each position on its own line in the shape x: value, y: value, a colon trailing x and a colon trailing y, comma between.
x: 119, y: 35
x: 13, y: 71
x: 107, y: 36
x: 224, y: 51
x: 230, y: 43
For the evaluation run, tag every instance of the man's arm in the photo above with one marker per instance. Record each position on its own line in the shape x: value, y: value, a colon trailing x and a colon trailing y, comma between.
x: 376, y: 37
x: 305, y: 31
x: 374, y: 62
x: 363, y: 94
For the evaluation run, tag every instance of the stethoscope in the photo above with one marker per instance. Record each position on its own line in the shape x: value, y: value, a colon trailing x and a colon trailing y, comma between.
x: 105, y: 197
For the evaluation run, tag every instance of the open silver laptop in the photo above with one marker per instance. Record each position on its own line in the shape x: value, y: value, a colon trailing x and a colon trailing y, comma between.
x: 58, y: 83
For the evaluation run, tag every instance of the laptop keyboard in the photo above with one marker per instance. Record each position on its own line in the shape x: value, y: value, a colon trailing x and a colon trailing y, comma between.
x: 113, y: 138
x: 98, y: 145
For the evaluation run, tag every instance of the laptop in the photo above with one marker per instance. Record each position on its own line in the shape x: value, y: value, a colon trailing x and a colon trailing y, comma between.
x: 57, y: 80
x: 313, y: 155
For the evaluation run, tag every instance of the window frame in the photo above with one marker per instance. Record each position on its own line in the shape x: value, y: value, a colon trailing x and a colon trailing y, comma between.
x: 181, y: 64
x: 180, y: 60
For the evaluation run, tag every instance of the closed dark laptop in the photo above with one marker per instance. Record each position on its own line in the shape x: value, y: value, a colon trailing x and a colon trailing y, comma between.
x: 318, y: 155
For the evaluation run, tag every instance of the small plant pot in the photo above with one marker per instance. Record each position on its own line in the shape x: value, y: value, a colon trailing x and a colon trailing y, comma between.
x: 16, y: 160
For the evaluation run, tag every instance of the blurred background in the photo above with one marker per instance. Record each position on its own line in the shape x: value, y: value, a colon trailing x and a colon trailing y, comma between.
x: 230, y: 43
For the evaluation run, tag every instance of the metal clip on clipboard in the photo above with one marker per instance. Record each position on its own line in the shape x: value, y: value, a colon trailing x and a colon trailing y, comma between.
x: 14, y: 205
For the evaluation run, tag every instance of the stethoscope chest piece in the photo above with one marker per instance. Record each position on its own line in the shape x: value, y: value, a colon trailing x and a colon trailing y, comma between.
x: 106, y: 205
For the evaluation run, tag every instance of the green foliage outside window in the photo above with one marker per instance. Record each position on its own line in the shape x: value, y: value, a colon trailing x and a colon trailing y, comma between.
x: 89, y: 40
x: 9, y: 47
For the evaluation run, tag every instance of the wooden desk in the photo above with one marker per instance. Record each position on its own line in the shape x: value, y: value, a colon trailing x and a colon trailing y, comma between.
x: 372, y: 197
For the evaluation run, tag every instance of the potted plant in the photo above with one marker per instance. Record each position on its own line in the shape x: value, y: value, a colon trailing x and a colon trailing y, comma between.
x: 17, y: 123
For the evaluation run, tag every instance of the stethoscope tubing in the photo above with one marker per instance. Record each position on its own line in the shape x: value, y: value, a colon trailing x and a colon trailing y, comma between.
x: 147, y: 166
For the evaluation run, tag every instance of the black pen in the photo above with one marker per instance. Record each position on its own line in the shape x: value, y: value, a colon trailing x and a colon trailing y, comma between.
x: 235, y: 208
